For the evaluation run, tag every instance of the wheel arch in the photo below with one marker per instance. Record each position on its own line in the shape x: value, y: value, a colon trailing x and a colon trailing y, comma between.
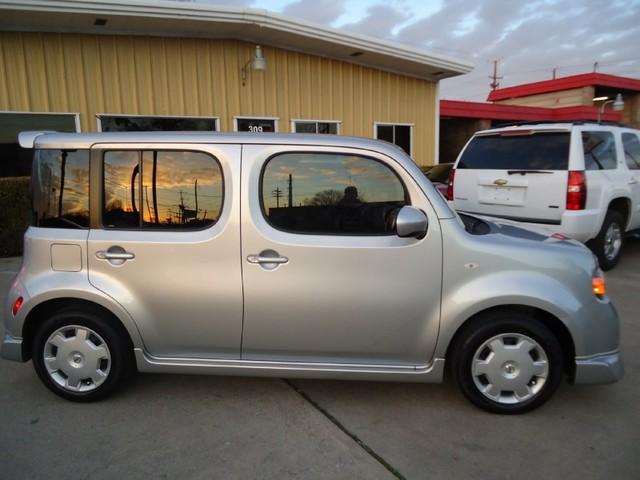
x: 622, y: 205
x: 46, y: 308
x: 550, y: 321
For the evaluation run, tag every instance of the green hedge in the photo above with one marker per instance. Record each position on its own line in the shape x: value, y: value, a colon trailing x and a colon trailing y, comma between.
x: 15, y: 208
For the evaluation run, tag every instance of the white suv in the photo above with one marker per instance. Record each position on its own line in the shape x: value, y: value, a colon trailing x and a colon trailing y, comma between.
x: 581, y: 180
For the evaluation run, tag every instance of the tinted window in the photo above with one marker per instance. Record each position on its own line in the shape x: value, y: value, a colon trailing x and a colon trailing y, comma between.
x: 631, y: 146
x: 399, y: 135
x: 255, y: 125
x: 145, y: 124
x: 169, y: 190
x: 330, y: 194
x: 539, y: 151
x: 599, y: 150
x: 60, y: 187
x: 316, y: 127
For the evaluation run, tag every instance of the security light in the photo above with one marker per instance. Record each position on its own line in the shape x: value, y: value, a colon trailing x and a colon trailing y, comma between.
x: 258, y: 63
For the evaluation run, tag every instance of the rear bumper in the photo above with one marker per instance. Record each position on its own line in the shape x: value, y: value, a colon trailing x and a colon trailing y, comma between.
x: 604, y: 368
x: 11, y: 348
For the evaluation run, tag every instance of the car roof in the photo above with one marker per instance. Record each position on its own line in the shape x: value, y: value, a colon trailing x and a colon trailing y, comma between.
x: 60, y: 140
x: 554, y: 127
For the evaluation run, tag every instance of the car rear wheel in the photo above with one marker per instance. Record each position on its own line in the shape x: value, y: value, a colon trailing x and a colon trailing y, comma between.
x: 609, y: 243
x: 80, y: 356
x: 507, y: 362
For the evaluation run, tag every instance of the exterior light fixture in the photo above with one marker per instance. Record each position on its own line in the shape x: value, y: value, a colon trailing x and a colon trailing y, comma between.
x: 618, y: 104
x: 258, y: 63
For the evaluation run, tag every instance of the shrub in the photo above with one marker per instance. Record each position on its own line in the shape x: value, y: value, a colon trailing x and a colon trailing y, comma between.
x: 15, y: 207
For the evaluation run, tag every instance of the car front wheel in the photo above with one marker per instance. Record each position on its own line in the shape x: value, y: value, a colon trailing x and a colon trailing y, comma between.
x: 507, y: 362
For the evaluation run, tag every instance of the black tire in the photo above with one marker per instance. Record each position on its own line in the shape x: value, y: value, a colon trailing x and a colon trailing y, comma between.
x: 599, y: 244
x: 117, y: 366
x: 500, y: 323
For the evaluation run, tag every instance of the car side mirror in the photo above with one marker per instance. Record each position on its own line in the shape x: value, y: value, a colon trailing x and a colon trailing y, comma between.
x: 411, y: 222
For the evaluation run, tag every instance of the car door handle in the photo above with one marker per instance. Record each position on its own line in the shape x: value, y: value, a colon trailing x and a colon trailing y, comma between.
x: 633, y: 181
x: 106, y: 255
x: 257, y: 259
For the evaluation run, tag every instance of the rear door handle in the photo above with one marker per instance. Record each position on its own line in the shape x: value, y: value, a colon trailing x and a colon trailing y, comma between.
x: 633, y: 181
x: 257, y: 259
x: 106, y: 255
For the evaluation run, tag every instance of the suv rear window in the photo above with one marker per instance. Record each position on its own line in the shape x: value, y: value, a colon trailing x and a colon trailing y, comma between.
x: 539, y: 151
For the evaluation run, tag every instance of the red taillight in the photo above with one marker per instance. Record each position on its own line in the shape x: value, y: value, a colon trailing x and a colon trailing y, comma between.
x: 576, y: 190
x: 16, y: 306
x: 452, y: 175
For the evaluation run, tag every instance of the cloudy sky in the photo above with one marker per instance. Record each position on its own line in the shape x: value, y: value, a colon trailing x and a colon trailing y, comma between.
x: 528, y: 38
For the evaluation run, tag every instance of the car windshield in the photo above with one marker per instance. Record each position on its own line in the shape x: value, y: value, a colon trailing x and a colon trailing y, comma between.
x: 513, y: 151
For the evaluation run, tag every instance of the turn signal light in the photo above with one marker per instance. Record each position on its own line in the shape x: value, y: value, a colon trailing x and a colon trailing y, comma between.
x: 16, y: 306
x: 599, y: 286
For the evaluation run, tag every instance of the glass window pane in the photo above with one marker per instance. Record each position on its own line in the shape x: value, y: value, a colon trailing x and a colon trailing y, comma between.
x: 181, y: 190
x: 403, y: 137
x: 599, y: 150
x: 61, y: 188
x: 330, y: 194
x: 121, y: 190
x: 631, y: 146
x: 385, y: 132
x: 540, y: 151
x: 328, y: 127
x: 256, y: 125
x: 145, y: 124
x: 305, y: 127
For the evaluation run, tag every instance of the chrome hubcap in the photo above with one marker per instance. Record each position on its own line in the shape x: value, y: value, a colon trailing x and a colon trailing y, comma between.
x: 510, y: 368
x: 77, y: 358
x: 612, y: 241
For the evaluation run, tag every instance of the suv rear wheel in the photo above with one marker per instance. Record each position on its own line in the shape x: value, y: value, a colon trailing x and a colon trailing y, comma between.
x: 80, y: 356
x: 609, y: 243
x: 507, y: 362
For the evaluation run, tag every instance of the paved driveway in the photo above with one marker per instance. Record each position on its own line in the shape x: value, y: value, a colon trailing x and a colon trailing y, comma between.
x: 168, y: 426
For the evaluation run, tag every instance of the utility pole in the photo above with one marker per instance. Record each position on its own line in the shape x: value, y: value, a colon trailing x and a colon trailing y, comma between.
x: 290, y: 191
x: 494, y: 78
x: 554, y: 73
x: 277, y: 193
x: 595, y: 67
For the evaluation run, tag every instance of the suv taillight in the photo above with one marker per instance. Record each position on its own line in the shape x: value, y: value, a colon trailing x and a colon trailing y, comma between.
x: 452, y: 175
x: 576, y: 190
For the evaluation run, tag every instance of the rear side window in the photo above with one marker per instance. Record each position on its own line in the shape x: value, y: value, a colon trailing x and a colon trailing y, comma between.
x: 531, y: 151
x: 60, y: 188
x: 161, y: 190
x: 599, y: 150
x: 631, y: 146
x: 330, y: 194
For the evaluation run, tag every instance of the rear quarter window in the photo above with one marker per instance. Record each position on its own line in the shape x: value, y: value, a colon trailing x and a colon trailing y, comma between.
x: 531, y: 151
x: 599, y: 150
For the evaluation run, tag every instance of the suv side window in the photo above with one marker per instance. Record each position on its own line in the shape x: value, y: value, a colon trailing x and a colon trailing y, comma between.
x: 599, y: 150
x: 60, y: 188
x: 330, y: 194
x: 631, y: 146
x: 161, y: 190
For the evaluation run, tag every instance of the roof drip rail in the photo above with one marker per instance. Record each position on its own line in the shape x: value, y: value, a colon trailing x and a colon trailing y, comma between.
x: 569, y: 122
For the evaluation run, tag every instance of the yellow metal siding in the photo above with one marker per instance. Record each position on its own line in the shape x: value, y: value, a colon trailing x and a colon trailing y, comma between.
x: 92, y: 74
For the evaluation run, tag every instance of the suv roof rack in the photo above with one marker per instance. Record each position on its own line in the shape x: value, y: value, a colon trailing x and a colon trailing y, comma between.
x: 570, y: 122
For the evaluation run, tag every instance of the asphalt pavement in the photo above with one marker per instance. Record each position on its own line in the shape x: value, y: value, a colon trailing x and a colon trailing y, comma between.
x: 184, y: 427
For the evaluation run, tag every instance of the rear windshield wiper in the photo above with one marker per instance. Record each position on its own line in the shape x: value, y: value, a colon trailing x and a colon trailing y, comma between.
x: 524, y: 172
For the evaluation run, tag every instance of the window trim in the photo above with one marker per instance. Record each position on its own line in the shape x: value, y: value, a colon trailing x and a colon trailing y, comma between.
x: 393, y: 124
x: 75, y: 114
x: 99, y: 116
x: 276, y: 121
x: 100, y: 207
x: 407, y: 196
x: 295, y: 120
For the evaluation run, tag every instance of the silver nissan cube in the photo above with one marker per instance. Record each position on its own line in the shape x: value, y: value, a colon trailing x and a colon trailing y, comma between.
x: 310, y: 256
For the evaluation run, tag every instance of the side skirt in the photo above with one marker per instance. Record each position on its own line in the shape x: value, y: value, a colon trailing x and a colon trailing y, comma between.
x: 431, y: 373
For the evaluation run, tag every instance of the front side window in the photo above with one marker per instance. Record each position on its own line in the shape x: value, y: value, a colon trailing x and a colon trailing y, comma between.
x: 399, y: 135
x: 163, y: 190
x: 310, y: 126
x: 60, y: 188
x: 123, y: 123
x: 599, y: 150
x: 330, y: 194
x: 631, y: 146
